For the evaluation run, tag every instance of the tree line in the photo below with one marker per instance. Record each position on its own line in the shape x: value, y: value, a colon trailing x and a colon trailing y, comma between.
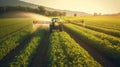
x: 39, y: 10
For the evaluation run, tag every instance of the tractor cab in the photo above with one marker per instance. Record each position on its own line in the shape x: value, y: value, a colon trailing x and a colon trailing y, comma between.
x: 55, y: 20
x: 56, y: 25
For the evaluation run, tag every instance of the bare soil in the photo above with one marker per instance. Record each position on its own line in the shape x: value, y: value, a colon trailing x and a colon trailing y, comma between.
x: 41, y: 58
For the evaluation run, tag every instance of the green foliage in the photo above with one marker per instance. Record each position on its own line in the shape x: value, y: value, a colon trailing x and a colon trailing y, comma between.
x: 107, y: 44
x: 9, y: 43
x: 65, y: 52
x: 12, y: 32
x: 24, y: 57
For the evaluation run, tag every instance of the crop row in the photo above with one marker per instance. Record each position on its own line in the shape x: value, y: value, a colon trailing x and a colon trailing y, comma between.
x: 9, y: 43
x: 27, y: 53
x: 100, y: 29
x: 104, y: 30
x: 111, y: 39
x: 107, y: 44
x: 65, y: 52
x: 107, y: 26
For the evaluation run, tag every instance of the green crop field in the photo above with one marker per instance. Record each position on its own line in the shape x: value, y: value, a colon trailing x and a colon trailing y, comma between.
x: 19, y: 32
x: 23, y: 59
x: 65, y: 52
x: 93, y: 43
x: 105, y: 24
x: 59, y: 33
x: 109, y: 44
x: 100, y: 32
x: 11, y: 25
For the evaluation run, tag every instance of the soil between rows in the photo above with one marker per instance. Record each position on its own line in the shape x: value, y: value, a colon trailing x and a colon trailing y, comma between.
x: 41, y: 58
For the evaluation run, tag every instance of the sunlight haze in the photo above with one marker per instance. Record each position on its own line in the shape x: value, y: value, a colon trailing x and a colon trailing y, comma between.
x: 89, y: 6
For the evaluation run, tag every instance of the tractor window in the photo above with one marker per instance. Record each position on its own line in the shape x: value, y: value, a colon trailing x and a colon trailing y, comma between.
x: 55, y: 20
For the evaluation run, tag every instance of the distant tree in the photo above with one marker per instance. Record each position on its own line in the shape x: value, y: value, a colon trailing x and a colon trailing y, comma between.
x: 100, y: 14
x: 2, y: 9
x: 64, y: 14
x: 41, y: 10
x: 75, y: 14
x: 118, y: 14
x: 95, y: 14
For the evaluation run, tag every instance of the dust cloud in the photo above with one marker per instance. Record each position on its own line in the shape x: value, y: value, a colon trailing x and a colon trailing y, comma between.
x: 36, y: 16
x: 41, y: 21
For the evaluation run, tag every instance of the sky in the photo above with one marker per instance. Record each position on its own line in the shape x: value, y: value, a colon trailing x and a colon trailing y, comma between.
x: 89, y: 6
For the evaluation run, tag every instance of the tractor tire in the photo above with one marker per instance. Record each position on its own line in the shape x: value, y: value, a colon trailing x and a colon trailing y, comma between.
x: 50, y: 28
x: 61, y: 27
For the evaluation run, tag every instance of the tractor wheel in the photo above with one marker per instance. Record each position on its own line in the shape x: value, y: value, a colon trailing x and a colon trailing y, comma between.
x: 50, y: 28
x: 61, y: 28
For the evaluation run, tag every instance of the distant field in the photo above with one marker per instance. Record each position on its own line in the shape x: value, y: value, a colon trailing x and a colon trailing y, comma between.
x: 109, y: 22
x: 11, y: 25
x: 106, y: 24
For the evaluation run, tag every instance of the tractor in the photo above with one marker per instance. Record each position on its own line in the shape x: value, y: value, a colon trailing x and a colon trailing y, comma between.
x: 56, y: 25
